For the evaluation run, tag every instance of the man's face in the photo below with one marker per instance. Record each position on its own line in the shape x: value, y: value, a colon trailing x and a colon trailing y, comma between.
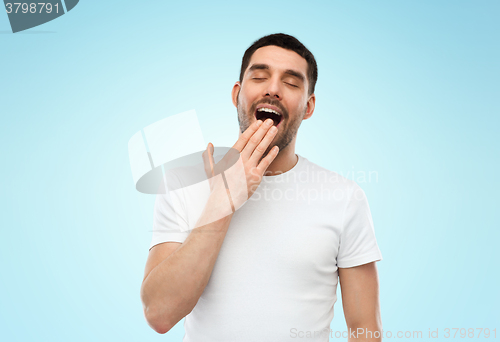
x: 275, y: 79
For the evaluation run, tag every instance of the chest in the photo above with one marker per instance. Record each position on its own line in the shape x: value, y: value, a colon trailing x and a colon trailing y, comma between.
x: 279, y: 242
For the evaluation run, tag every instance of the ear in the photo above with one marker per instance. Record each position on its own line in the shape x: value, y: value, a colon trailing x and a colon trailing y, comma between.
x: 311, y: 103
x: 235, y: 92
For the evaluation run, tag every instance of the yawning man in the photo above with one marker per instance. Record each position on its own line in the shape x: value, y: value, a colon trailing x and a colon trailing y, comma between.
x: 269, y: 270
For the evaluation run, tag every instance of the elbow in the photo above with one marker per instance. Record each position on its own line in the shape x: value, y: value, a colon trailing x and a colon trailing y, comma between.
x: 162, y: 315
x: 154, y: 315
x: 157, y: 321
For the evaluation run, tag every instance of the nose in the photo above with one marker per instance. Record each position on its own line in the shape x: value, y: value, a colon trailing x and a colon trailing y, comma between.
x: 273, y: 89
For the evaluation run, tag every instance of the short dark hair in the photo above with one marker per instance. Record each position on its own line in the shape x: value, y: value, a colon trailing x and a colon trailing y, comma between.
x: 288, y: 42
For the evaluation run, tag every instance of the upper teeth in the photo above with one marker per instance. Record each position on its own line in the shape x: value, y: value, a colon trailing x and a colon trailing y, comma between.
x: 265, y: 109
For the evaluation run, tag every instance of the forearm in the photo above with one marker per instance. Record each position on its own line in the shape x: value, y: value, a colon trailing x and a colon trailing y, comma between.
x: 371, y: 332
x: 172, y: 289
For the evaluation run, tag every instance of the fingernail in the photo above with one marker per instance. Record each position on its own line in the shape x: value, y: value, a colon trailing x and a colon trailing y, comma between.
x: 259, y: 122
x: 269, y: 122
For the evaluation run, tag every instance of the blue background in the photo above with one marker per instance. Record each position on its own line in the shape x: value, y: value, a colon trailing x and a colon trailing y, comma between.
x: 407, y: 90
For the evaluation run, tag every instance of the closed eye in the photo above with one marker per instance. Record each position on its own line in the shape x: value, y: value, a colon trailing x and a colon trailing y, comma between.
x: 258, y: 78
x: 293, y: 85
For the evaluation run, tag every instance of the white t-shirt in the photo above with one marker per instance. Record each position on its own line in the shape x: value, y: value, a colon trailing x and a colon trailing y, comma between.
x: 276, y: 275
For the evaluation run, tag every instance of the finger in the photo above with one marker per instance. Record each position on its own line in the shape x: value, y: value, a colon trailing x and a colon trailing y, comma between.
x: 255, y: 139
x: 263, y: 145
x: 243, y: 139
x: 207, y: 163
x: 211, y: 158
x: 265, y: 162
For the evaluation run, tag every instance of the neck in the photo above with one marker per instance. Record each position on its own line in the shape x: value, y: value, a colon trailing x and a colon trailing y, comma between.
x: 284, y: 161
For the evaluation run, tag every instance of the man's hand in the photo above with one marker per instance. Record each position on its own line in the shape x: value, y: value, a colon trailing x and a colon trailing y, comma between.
x: 245, y: 175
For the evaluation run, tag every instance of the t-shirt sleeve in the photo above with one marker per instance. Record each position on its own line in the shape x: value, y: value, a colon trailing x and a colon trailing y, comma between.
x: 169, y: 224
x: 358, y: 244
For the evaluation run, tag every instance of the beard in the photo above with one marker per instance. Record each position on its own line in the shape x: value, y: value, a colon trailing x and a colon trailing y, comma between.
x: 287, y: 131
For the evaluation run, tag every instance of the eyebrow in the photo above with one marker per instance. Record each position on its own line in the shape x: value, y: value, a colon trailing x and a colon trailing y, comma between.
x: 290, y: 72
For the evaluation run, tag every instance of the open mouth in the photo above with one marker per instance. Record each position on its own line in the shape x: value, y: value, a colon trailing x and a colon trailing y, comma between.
x: 264, y: 113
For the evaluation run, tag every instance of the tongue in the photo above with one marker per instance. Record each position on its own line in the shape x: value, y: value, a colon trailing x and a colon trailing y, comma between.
x: 262, y: 115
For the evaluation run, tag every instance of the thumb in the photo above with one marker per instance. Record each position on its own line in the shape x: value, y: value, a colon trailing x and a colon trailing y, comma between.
x: 208, y: 161
x: 211, y: 157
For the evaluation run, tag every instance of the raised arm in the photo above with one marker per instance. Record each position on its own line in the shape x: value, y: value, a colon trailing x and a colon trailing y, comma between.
x: 177, y: 274
x: 360, y: 299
